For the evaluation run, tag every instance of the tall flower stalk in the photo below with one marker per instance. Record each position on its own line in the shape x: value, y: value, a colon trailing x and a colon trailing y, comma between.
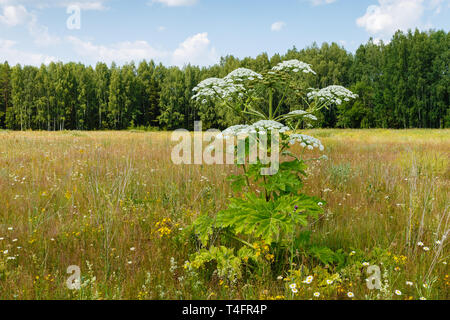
x: 272, y: 209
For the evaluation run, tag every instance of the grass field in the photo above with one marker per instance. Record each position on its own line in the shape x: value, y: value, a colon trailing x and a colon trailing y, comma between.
x: 114, y: 204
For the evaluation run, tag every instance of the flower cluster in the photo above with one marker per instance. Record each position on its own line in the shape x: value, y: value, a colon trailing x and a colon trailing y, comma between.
x: 301, y: 113
x: 242, y: 74
x: 332, y: 95
x: 294, y: 66
x: 216, y: 88
x: 226, y: 87
x: 270, y: 125
x: 306, y: 141
x: 234, y: 131
x: 262, y: 126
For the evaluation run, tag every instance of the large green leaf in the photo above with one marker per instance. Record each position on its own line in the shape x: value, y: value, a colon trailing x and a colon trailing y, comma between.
x: 267, y: 220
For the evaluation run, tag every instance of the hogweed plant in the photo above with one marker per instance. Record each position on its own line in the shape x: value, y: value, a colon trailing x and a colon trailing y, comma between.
x: 265, y: 226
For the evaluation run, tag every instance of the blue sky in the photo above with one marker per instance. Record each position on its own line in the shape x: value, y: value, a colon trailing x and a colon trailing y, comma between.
x: 177, y: 32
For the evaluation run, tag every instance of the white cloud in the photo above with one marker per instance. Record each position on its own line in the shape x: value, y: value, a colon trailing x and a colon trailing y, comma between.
x: 88, y: 5
x: 388, y: 16
x: 277, y: 26
x: 9, y: 53
x: 321, y: 2
x: 175, y: 3
x: 14, y: 15
x: 40, y: 33
x: 195, y: 50
x: 121, y: 52
x: 42, y: 4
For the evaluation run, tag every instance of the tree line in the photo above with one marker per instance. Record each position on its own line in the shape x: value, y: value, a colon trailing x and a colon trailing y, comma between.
x: 402, y: 84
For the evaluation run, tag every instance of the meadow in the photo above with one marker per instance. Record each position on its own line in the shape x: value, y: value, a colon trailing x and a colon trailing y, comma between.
x: 115, y: 205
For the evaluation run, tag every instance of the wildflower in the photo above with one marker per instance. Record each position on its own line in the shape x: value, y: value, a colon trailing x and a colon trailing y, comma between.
x: 293, y: 286
x: 420, y: 244
x: 423, y: 298
x: 352, y: 253
x: 279, y: 278
x: 316, y: 294
x: 294, y: 290
x: 366, y: 264
x: 329, y: 282
x: 132, y: 249
x: 332, y: 95
x: 425, y: 285
x: 294, y: 66
x: 426, y: 249
x: 398, y: 292
x: 350, y: 295
x: 10, y: 229
x: 306, y: 141
x: 409, y: 283
x: 309, y: 279
x: 438, y: 242
x: 269, y: 125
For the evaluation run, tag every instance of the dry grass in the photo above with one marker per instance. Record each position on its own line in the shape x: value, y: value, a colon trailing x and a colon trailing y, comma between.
x: 99, y: 200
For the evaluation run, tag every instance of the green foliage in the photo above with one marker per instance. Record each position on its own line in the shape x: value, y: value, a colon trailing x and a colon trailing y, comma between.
x: 402, y: 84
x: 228, y: 264
x: 268, y: 221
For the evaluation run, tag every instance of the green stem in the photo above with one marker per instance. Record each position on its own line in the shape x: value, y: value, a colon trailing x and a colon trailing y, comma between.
x: 281, y: 101
x: 246, y: 177
x: 270, y: 103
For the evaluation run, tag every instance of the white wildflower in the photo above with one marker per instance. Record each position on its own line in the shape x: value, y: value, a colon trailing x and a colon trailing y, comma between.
x: 332, y: 95
x: 306, y: 141
x: 294, y: 66
x: 269, y: 125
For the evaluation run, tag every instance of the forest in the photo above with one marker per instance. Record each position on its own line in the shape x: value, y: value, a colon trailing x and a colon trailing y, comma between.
x: 404, y: 83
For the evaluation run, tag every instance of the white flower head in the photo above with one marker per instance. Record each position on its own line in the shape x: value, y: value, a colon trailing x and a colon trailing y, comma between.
x: 213, y: 88
x: 242, y: 74
x: 301, y: 114
x: 235, y: 131
x: 332, y: 95
x: 309, y: 279
x: 294, y: 66
x: 306, y: 141
x: 270, y: 125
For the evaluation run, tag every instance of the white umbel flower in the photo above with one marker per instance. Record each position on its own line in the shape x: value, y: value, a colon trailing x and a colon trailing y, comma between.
x: 301, y: 114
x: 235, y: 131
x: 306, y: 141
x: 216, y: 88
x: 269, y: 125
x: 242, y: 74
x: 332, y: 95
x: 294, y: 66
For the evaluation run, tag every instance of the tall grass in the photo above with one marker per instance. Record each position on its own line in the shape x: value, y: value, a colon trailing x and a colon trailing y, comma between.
x: 114, y: 204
